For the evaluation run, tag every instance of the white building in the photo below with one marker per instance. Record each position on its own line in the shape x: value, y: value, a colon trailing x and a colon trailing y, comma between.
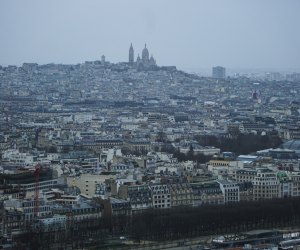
x: 28, y: 206
x: 230, y: 191
x: 14, y: 156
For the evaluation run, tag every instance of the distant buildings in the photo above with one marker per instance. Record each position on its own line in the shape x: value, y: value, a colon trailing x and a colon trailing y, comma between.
x: 116, y: 139
x: 218, y: 72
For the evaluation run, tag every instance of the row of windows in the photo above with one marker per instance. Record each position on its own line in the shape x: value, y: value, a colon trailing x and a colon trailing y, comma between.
x: 158, y: 196
x: 266, y: 187
x: 139, y: 205
x: 161, y: 192
x: 220, y: 201
x: 41, y: 209
x: 247, y: 173
x: 267, y: 175
x: 42, y: 183
x: 267, y: 192
x: 265, y: 179
x: 232, y: 189
x: 41, y: 187
x: 161, y: 201
x: 32, y: 203
x: 31, y: 216
x: 272, y: 184
x: 245, y: 177
x: 209, y: 196
x: 161, y: 206
x: 232, y: 199
x: 267, y: 196
x: 182, y: 197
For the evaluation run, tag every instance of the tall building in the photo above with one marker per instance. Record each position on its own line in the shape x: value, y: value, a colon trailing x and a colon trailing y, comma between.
x: 218, y: 72
x: 103, y: 59
x: 131, y: 54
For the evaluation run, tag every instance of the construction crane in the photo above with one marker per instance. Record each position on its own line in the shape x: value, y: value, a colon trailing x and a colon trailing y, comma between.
x: 37, y: 190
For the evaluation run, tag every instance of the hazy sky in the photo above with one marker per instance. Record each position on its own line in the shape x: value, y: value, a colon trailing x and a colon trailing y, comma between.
x: 186, y: 33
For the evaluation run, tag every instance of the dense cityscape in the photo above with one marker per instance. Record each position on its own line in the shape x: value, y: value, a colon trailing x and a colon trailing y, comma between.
x: 98, y: 141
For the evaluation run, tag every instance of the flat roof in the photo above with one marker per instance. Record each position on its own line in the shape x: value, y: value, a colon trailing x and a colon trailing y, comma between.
x: 259, y: 231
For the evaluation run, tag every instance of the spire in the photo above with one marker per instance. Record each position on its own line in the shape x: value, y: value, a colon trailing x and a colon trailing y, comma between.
x: 131, y: 54
x: 145, y: 45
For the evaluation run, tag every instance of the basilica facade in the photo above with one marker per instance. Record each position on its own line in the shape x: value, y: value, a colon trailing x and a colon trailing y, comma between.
x: 144, y: 63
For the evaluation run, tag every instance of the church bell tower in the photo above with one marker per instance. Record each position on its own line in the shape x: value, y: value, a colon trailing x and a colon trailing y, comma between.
x: 131, y: 54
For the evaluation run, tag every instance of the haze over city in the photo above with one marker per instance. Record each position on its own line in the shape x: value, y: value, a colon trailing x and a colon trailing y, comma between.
x: 193, y: 35
x: 138, y: 124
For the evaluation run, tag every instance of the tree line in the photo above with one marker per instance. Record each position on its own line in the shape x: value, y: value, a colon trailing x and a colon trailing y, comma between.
x: 241, y: 143
x: 174, y: 223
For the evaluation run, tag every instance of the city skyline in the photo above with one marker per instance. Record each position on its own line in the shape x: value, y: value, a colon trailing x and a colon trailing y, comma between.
x: 149, y: 124
x: 256, y: 35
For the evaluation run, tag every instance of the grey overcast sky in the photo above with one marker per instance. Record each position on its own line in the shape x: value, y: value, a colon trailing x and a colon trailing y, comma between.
x: 186, y: 33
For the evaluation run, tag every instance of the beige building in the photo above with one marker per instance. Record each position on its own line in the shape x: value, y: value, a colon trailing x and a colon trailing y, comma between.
x: 218, y: 163
x: 207, y: 193
x: 87, y: 182
x: 139, y: 145
x: 265, y: 185
x: 243, y: 175
x: 181, y: 194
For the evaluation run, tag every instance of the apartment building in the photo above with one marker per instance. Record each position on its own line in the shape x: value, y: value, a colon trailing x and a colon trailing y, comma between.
x: 161, y: 195
x: 265, y: 184
x: 230, y: 190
